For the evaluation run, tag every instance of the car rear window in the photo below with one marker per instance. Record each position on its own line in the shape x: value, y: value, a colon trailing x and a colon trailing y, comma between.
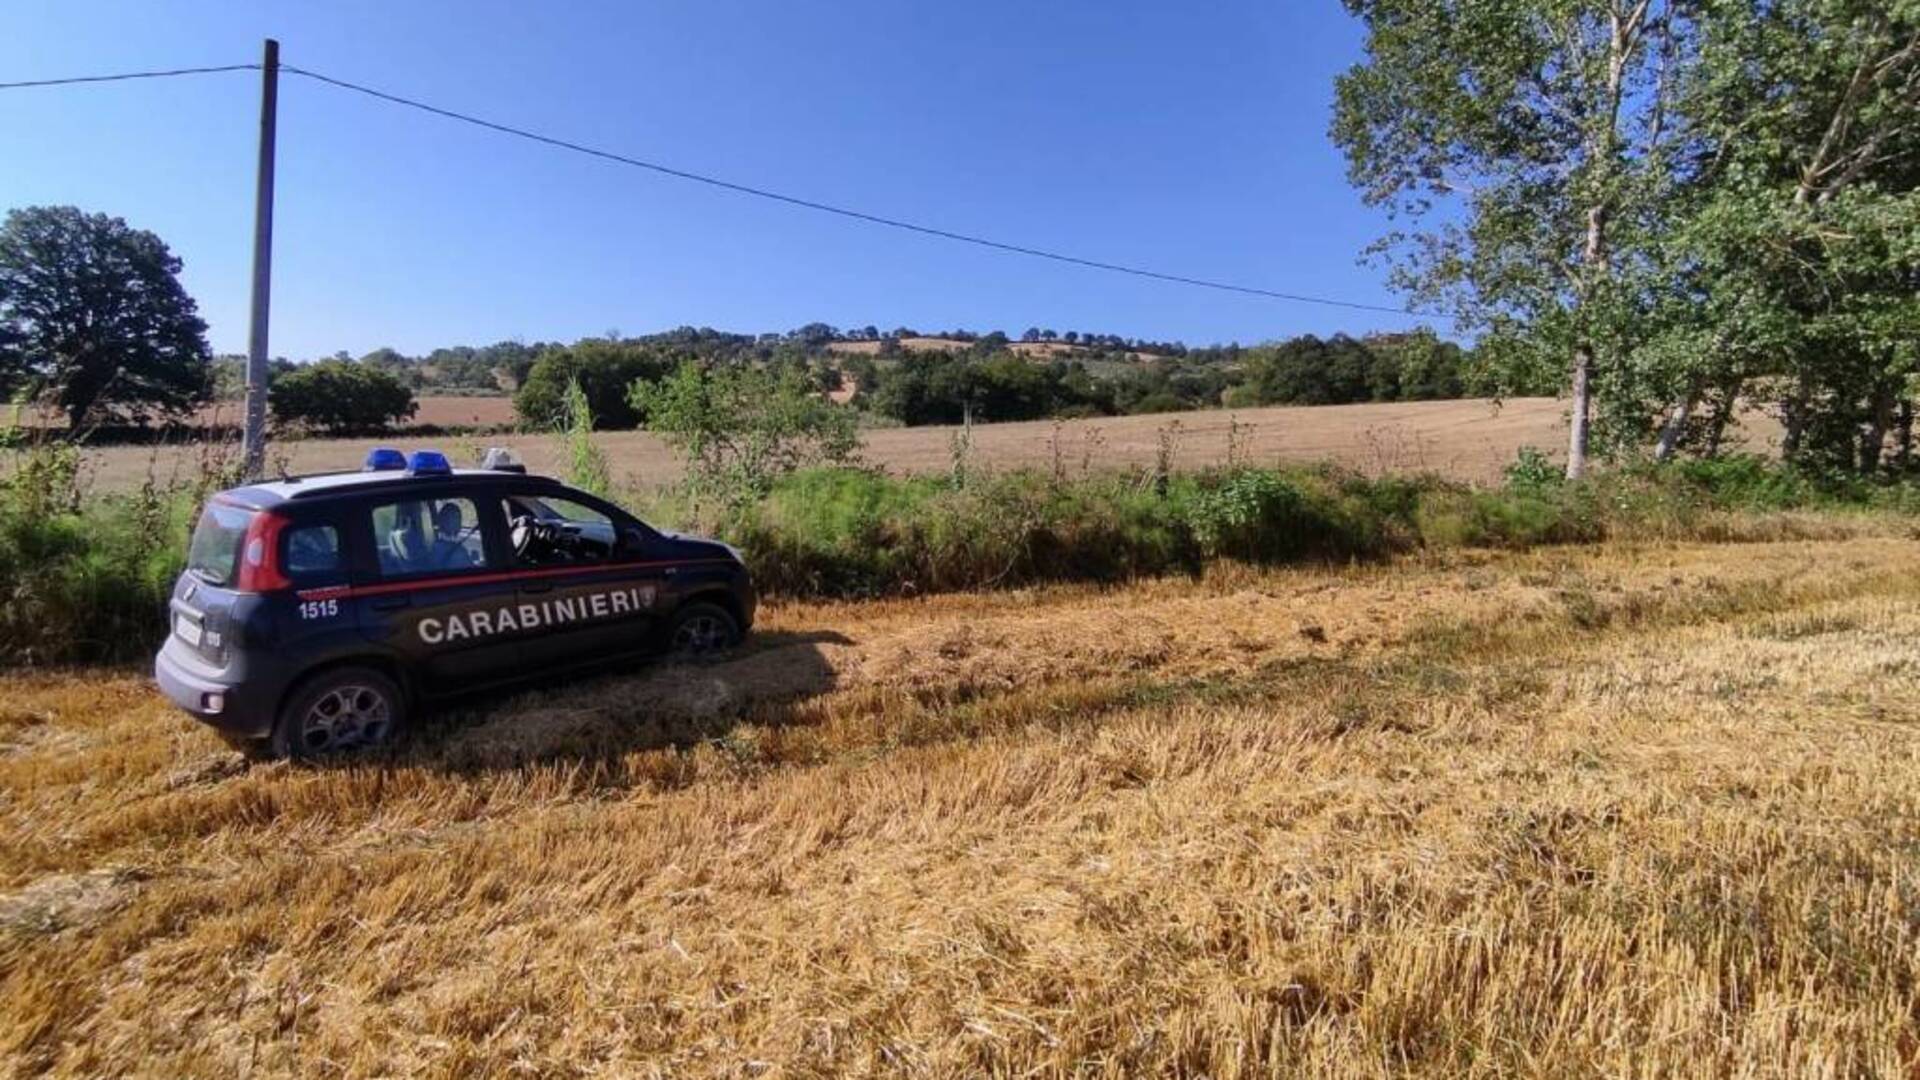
x: 313, y: 550
x: 214, y: 554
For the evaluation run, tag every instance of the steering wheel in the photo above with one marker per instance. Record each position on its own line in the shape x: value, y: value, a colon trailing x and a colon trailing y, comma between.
x: 522, y: 532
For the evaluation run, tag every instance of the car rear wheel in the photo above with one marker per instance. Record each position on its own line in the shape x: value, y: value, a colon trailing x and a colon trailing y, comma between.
x: 346, y: 709
x: 702, y: 630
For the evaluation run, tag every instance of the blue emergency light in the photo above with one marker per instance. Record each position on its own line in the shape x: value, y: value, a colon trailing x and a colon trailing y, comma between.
x: 383, y: 458
x: 428, y: 463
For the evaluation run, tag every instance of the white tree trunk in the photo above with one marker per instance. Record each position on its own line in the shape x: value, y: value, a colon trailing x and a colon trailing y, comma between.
x: 1676, y: 427
x: 1582, y: 412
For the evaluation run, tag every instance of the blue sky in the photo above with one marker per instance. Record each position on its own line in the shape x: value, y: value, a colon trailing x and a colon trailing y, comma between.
x: 1189, y: 138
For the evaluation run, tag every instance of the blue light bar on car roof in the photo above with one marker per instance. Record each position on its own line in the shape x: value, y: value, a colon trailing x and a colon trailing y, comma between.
x: 428, y: 463
x: 384, y: 458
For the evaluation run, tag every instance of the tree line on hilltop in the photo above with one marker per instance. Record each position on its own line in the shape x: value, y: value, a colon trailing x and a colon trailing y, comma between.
x: 94, y: 323
x: 987, y: 381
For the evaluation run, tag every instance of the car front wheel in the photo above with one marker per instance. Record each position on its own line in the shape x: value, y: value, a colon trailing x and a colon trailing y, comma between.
x: 702, y: 630
x: 349, y: 708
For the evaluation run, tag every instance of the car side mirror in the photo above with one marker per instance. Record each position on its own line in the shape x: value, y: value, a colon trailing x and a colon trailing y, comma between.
x: 633, y: 541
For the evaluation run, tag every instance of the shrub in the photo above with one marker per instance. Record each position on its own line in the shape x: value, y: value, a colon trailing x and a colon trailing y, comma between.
x: 82, y: 582
x: 1532, y: 470
x: 1160, y: 401
x: 340, y: 397
x: 604, y: 369
x: 739, y: 428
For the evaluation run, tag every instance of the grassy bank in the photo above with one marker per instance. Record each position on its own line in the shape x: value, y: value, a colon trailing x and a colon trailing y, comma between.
x: 84, y: 579
x: 840, y: 533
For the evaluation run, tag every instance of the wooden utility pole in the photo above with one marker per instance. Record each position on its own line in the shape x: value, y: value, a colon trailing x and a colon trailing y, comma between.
x: 255, y: 429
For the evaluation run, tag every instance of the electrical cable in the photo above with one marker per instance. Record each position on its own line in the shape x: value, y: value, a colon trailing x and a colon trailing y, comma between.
x: 128, y: 75
x: 858, y: 215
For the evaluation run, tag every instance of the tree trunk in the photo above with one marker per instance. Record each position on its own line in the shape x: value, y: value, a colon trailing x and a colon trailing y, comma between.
x: 1582, y: 412
x: 1903, y: 428
x: 1793, y: 417
x: 1722, y: 415
x: 1874, y: 439
x: 1627, y: 26
x: 1676, y: 426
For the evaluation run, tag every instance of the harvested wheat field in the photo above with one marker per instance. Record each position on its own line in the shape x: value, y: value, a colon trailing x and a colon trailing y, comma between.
x: 1467, y: 440
x: 1639, y: 810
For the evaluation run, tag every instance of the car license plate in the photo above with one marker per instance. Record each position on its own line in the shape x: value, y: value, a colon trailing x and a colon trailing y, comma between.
x: 188, y: 630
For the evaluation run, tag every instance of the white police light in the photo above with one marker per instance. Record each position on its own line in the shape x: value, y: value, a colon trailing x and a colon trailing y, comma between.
x: 428, y: 463
x: 383, y: 458
x: 502, y: 459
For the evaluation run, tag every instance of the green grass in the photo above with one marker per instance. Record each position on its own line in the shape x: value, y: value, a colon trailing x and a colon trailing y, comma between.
x: 846, y: 532
x: 86, y: 580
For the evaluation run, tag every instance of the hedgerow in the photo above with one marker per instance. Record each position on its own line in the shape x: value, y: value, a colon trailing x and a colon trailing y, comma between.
x: 85, y: 579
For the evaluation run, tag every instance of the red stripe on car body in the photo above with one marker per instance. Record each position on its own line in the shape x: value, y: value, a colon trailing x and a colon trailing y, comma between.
x: 493, y: 578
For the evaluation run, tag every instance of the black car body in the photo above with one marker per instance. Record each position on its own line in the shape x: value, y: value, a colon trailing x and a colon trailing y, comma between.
x: 428, y: 580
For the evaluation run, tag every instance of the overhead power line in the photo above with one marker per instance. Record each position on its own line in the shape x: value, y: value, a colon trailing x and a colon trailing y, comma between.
x: 121, y: 77
x: 857, y: 215
x: 757, y: 192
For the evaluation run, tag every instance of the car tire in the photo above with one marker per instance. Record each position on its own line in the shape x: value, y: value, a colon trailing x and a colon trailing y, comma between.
x: 339, y: 711
x: 701, y: 630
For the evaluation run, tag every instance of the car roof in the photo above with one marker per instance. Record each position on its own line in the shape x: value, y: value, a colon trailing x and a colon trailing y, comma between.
x: 293, y: 488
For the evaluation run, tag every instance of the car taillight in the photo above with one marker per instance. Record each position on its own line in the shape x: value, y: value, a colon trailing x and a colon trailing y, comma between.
x: 260, y: 556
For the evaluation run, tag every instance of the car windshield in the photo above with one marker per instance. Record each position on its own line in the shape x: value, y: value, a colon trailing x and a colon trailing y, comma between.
x: 214, y: 554
x: 552, y: 530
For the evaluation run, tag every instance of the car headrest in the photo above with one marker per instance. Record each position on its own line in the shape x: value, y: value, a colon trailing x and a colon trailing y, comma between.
x: 407, y: 543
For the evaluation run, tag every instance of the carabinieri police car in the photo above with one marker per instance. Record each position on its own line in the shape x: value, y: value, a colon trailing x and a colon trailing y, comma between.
x: 316, y: 612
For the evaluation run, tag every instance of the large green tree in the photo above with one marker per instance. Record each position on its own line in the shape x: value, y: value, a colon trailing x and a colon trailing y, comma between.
x: 1528, y: 142
x: 93, y: 318
x: 1795, y: 257
x: 604, y: 369
x: 1664, y: 207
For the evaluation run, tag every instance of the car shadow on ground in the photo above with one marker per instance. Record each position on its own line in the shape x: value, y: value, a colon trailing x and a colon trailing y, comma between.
x: 607, y: 715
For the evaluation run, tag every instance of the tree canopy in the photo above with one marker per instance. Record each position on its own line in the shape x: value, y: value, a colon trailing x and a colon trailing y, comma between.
x: 93, y: 318
x: 1662, y: 207
x: 603, y: 368
x: 339, y: 397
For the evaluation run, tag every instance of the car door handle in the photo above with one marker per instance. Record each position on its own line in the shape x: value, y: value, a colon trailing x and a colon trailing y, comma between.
x: 537, y: 587
x: 391, y: 603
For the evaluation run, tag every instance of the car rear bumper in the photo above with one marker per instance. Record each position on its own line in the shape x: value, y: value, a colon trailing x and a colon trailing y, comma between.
x: 209, y: 699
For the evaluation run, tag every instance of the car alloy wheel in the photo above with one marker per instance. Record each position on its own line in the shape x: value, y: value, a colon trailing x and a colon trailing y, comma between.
x: 345, y: 718
x: 702, y: 630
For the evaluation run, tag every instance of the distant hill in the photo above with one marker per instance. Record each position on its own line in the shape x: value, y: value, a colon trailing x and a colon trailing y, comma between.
x: 1045, y: 350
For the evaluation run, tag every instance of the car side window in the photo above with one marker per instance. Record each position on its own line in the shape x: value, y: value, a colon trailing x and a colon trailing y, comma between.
x: 550, y: 531
x: 313, y: 551
x: 429, y: 536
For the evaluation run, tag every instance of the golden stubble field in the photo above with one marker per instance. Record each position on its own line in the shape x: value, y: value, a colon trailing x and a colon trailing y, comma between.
x: 1645, y: 810
x: 1468, y: 440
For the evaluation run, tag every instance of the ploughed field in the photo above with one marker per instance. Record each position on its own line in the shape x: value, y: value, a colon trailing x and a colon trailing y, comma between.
x: 1629, y: 810
x: 1468, y: 440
